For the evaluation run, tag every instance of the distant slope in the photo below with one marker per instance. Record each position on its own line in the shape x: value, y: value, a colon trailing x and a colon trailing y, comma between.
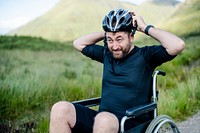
x: 186, y: 19
x: 166, y: 2
x: 69, y: 19
x: 154, y: 12
x: 72, y: 18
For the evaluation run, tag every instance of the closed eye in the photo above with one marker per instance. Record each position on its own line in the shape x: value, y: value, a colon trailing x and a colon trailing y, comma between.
x: 119, y: 40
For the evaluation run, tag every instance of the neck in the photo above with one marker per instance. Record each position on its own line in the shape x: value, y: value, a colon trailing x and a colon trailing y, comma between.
x: 132, y: 47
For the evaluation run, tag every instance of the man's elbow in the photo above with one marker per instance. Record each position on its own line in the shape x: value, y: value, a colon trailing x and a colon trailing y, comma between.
x: 177, y: 48
x: 77, y: 45
x: 180, y: 46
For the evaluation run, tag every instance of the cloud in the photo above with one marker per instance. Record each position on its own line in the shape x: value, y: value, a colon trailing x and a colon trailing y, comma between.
x: 7, y: 25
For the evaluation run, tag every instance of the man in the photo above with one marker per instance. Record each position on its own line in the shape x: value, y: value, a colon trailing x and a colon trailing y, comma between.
x: 127, y: 74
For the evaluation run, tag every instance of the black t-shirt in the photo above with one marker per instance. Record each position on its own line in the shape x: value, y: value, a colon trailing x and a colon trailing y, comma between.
x: 126, y: 82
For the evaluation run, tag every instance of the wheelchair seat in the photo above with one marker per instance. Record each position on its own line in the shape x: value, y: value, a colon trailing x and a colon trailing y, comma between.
x: 158, y: 124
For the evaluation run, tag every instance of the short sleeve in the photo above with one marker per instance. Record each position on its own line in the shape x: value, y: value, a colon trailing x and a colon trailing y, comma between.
x: 156, y: 55
x: 95, y: 52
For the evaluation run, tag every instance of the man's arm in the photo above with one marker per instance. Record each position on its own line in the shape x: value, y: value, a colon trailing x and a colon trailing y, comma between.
x: 88, y: 39
x: 169, y: 41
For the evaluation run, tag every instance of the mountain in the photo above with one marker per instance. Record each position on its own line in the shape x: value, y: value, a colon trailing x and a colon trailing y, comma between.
x: 166, y: 2
x: 72, y: 18
x: 185, y: 21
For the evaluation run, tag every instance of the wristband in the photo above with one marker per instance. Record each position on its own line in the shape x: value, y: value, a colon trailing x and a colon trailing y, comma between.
x: 147, y: 29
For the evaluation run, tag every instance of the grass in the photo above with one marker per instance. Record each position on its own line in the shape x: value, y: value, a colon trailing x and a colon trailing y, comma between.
x: 31, y: 43
x: 31, y: 81
x: 183, y: 100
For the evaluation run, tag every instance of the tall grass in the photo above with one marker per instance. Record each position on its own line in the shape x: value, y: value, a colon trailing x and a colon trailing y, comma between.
x: 183, y: 100
x: 33, y: 79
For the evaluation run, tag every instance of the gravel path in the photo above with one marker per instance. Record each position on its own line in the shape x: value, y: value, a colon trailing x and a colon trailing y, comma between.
x: 191, y: 125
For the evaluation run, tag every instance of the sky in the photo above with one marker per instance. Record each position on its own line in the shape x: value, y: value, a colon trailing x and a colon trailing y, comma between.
x: 137, y: 2
x: 16, y: 13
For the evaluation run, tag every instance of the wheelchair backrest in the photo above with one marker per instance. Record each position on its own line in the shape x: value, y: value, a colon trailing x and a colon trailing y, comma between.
x: 154, y: 88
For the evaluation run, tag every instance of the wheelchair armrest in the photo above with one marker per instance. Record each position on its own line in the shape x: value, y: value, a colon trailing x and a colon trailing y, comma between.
x: 89, y: 102
x: 135, y: 111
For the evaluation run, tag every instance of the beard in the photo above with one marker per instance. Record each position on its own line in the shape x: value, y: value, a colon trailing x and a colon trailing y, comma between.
x: 120, y: 52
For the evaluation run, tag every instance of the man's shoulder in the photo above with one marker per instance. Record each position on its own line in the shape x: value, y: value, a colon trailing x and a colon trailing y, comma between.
x: 94, y: 51
x: 150, y: 48
x: 92, y: 47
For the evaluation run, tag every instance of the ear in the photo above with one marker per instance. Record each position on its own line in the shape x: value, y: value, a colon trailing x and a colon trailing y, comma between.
x: 131, y: 37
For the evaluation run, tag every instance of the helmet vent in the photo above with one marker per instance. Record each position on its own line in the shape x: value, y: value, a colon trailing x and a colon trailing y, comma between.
x: 112, y: 12
x: 120, y: 13
x: 121, y: 20
x: 114, y: 21
x: 108, y: 21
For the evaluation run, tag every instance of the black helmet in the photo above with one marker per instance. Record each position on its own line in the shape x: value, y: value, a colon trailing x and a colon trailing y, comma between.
x: 118, y: 20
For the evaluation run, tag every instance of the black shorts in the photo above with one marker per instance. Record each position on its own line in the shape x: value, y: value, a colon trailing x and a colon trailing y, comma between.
x: 85, y: 120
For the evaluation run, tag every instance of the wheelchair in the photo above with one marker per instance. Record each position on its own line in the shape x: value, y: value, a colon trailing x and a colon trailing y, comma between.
x: 159, y: 124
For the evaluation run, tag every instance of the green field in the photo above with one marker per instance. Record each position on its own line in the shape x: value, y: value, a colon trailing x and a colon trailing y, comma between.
x: 33, y: 78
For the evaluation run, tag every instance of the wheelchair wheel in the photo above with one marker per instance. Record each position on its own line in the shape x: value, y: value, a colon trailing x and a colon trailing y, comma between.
x: 162, y: 124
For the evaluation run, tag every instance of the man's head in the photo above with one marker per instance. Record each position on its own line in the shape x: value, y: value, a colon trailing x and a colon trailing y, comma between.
x: 119, y: 28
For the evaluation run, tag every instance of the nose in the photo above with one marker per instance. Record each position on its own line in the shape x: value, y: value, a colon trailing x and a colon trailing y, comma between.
x: 115, y: 46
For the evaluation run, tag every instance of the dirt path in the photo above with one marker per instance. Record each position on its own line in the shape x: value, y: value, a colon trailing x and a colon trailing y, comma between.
x: 191, y: 125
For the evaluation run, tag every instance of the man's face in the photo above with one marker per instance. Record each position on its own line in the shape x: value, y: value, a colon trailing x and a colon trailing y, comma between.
x: 119, y: 43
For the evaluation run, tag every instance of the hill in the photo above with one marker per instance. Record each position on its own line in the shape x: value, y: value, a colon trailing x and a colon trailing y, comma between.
x: 72, y: 18
x: 165, y: 2
x: 31, y: 43
x: 185, y: 21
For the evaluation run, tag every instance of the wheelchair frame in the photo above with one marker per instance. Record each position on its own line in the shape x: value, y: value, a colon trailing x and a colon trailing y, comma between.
x: 155, y: 124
